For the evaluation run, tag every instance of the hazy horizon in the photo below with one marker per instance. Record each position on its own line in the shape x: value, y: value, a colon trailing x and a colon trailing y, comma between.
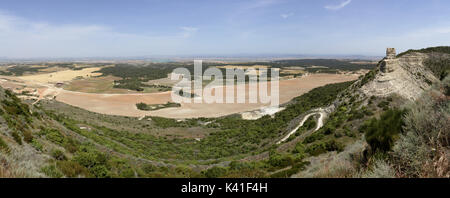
x: 262, y: 56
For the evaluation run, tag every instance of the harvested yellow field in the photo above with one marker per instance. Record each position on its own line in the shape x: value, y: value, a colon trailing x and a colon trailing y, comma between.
x: 125, y: 104
x: 62, y: 76
x: 292, y: 71
x: 51, y: 69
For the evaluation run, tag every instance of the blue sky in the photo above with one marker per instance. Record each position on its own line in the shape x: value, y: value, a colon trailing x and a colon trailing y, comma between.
x: 82, y: 28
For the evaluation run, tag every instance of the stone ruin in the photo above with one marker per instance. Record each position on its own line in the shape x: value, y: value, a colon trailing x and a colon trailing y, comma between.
x: 387, y: 66
x: 390, y: 53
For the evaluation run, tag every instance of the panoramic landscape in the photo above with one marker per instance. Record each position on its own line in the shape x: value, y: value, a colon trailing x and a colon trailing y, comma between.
x: 109, y: 112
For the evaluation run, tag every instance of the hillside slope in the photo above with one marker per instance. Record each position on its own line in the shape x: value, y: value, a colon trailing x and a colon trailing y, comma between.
x: 407, y: 76
x: 396, y: 119
x: 393, y: 122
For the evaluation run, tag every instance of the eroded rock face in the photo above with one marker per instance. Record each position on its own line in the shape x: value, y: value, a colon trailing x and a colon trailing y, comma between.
x: 407, y: 76
x: 388, y: 63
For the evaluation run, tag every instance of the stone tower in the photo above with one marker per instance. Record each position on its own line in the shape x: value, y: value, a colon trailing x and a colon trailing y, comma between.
x: 390, y: 53
x: 388, y: 63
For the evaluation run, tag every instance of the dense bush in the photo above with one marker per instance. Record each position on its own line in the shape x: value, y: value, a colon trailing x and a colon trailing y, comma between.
x: 381, y: 133
x: 323, y: 147
x: 133, y: 76
x: 72, y: 169
x: 17, y: 137
x: 95, y: 161
x: 368, y: 77
x: 51, y: 171
x: 215, y: 172
x: 37, y: 145
x: 421, y: 150
x: 58, y: 155
x: 440, y: 49
x: 439, y: 66
x: 310, y: 123
x: 3, y: 145
x: 27, y: 136
x: 52, y: 135
x: 154, y: 107
x: 280, y: 161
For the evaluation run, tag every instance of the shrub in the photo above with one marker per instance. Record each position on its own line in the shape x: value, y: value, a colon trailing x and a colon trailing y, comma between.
x: 381, y: 133
x: 215, y: 172
x: 121, y: 168
x: 72, y: 169
x: 95, y: 161
x: 420, y: 152
x: 277, y: 160
x: 142, y: 106
x: 27, y: 136
x: 149, y: 168
x: 154, y: 107
x: 323, y: 147
x: 384, y: 105
x: 3, y: 145
x: 51, y: 171
x: 310, y: 123
x: 329, y: 130
x: 299, y: 148
x: 410, y: 153
x: 70, y: 145
x: 17, y: 137
x: 54, y: 136
x: 58, y: 155
x: 368, y: 77
x: 439, y: 66
x: 37, y: 145
x: 380, y: 169
x: 315, y: 136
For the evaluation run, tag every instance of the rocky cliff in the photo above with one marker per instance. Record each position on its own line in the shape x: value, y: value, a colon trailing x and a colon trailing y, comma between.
x: 408, y: 76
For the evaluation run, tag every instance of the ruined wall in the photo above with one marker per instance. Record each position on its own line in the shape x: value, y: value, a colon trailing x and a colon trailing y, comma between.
x: 387, y: 65
x: 390, y: 53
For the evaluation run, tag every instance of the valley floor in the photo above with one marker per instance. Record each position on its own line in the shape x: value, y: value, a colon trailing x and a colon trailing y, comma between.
x: 124, y: 104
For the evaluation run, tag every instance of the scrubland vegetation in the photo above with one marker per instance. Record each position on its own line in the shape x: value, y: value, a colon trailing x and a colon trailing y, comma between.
x: 361, y: 137
x: 80, y: 151
x: 440, y: 49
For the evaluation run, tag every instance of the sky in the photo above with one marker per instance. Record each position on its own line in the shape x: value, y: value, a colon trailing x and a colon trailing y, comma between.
x: 120, y: 28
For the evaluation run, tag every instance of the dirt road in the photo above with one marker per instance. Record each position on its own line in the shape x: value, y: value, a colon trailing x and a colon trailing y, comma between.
x: 322, y: 114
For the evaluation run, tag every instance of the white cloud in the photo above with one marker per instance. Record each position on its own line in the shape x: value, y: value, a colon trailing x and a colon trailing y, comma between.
x: 188, y: 31
x: 285, y: 16
x: 339, y: 6
x: 21, y: 38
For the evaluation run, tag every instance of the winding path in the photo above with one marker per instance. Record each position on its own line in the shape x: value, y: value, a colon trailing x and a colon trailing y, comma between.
x: 319, y: 111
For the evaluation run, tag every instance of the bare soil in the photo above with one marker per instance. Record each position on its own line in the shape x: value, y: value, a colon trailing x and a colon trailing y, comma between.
x: 125, y: 104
